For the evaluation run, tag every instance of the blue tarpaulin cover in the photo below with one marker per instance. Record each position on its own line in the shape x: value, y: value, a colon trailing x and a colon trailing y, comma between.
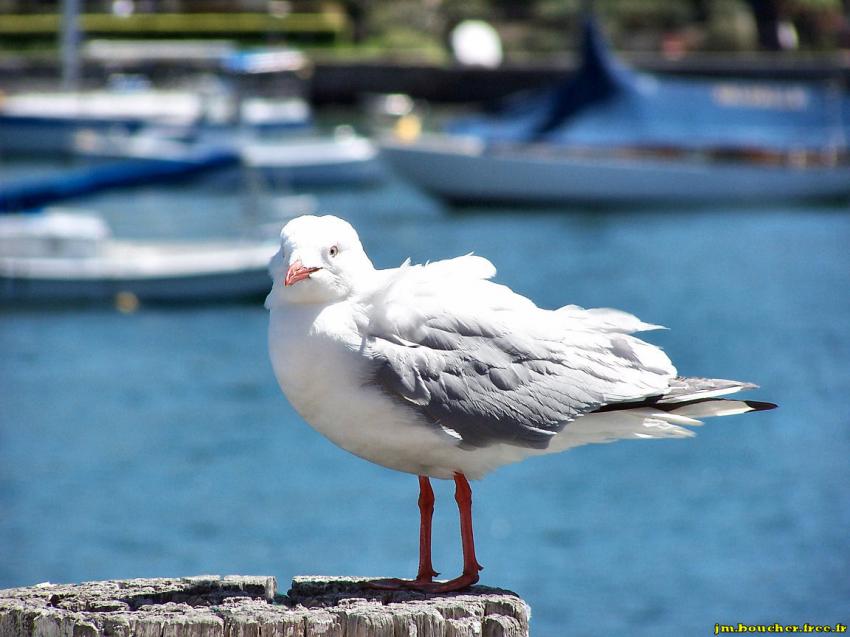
x: 605, y: 104
x: 30, y: 194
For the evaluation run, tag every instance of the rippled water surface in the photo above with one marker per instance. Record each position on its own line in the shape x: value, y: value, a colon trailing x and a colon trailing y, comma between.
x: 157, y: 443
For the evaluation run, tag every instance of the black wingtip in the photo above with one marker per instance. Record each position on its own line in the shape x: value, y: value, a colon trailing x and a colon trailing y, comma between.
x: 757, y: 405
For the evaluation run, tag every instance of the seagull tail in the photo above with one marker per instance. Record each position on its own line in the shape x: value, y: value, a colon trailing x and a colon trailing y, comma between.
x: 692, y: 397
x: 697, y: 398
x: 709, y: 407
x: 667, y: 416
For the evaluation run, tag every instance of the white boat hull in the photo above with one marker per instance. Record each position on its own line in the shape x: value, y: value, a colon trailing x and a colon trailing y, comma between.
x: 460, y: 170
x: 292, y: 160
x: 157, y: 272
x: 184, y: 289
x: 314, y: 161
x: 52, y: 123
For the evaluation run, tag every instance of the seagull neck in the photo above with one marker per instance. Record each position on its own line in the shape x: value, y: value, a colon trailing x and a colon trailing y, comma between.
x: 365, y: 279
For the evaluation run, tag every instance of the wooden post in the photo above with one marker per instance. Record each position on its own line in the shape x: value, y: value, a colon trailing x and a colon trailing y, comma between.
x: 244, y: 606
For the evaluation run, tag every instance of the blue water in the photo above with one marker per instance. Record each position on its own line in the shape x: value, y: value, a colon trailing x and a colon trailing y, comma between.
x: 157, y: 443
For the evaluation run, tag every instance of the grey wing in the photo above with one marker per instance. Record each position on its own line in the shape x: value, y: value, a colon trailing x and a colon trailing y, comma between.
x: 498, y: 381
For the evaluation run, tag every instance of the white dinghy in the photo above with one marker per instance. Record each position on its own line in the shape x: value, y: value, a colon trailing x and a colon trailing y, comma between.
x: 58, y: 257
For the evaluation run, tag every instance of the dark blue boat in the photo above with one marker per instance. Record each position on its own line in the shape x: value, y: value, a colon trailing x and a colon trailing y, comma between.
x: 604, y: 104
x: 610, y: 135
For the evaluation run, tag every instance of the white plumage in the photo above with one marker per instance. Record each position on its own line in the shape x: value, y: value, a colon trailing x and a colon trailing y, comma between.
x: 435, y: 370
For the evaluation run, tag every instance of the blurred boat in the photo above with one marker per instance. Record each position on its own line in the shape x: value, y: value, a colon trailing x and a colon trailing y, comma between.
x: 50, y: 122
x: 611, y: 135
x: 467, y: 170
x: 57, y: 257
x: 342, y: 158
x: 137, y: 166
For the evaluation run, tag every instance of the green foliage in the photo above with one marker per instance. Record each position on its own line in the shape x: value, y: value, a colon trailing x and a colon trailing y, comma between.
x: 549, y: 26
x: 832, y: 5
x: 730, y: 26
x: 528, y: 27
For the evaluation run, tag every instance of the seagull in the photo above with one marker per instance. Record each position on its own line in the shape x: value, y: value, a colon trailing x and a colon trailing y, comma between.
x: 436, y: 371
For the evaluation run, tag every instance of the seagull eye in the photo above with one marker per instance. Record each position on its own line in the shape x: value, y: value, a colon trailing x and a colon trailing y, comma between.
x: 333, y: 251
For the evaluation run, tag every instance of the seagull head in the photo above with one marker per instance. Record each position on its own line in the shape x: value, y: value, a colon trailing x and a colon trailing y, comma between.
x: 320, y: 260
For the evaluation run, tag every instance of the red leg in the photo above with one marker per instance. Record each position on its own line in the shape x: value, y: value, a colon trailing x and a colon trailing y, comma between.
x: 426, y: 571
x: 463, y: 496
x: 423, y: 581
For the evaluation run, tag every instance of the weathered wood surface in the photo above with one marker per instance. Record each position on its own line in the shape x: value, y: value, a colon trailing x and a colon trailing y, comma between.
x: 241, y: 606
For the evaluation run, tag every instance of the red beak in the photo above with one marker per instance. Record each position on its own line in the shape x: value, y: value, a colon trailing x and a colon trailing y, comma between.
x: 297, y: 272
